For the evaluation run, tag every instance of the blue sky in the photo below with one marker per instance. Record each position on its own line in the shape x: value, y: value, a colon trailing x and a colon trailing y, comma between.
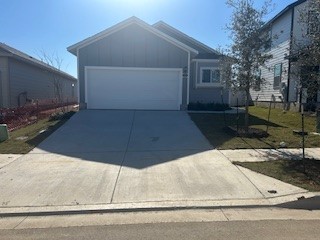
x: 53, y: 25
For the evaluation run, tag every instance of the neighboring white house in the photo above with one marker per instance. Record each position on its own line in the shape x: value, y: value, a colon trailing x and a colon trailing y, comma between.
x: 281, y: 84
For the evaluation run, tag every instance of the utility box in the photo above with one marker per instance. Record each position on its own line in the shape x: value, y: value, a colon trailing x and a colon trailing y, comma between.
x: 318, y: 121
x: 4, y: 135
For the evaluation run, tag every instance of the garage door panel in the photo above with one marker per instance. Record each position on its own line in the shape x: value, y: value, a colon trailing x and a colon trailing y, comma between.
x: 121, y: 88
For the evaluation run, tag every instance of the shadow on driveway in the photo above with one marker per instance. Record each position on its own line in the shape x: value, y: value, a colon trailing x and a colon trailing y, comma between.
x: 142, y: 138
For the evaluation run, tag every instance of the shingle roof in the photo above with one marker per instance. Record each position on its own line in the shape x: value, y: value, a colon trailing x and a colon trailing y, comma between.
x: 182, y: 37
x: 12, y: 52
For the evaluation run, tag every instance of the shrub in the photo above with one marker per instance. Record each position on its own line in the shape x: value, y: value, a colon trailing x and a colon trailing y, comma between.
x: 60, y: 116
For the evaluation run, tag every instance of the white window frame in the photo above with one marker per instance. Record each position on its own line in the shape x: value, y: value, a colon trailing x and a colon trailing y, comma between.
x: 276, y: 87
x: 211, y: 84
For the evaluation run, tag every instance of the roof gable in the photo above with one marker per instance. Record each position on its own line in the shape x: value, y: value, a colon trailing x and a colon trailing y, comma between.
x: 175, y: 33
x: 133, y: 20
x: 284, y: 11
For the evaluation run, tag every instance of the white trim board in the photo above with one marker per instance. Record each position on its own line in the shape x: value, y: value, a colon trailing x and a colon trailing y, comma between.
x: 205, y: 60
x: 211, y: 84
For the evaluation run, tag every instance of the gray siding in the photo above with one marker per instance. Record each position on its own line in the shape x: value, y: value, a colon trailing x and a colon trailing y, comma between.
x: 132, y: 46
x: 4, y: 82
x: 205, y: 94
x: 37, y: 82
x: 299, y: 29
x: 182, y: 39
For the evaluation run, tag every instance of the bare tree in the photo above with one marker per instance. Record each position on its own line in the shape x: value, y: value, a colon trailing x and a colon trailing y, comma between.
x: 55, y: 62
x: 247, y: 53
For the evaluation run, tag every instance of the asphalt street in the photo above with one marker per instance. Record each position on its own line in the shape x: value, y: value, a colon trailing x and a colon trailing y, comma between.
x: 246, y: 230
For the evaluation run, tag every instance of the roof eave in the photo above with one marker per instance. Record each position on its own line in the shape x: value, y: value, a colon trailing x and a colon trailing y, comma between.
x: 196, y: 42
x: 49, y: 68
x: 74, y: 48
x: 285, y: 10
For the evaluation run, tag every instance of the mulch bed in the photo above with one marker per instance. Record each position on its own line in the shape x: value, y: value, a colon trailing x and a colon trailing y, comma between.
x: 16, y: 118
x: 241, y: 132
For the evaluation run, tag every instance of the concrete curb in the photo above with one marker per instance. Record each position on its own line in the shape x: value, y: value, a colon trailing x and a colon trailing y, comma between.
x: 151, y: 206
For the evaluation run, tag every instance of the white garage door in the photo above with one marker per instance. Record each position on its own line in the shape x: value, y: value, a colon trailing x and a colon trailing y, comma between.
x: 133, y: 88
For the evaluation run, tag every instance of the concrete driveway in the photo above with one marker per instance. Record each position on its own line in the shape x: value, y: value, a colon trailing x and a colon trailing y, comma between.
x: 123, y: 157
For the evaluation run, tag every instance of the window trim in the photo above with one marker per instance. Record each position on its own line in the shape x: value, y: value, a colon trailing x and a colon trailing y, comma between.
x: 211, y: 84
x: 274, y: 75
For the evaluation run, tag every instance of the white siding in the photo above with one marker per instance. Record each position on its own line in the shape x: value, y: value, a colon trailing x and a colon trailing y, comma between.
x: 281, y: 29
x: 280, y: 49
x: 299, y: 29
x: 267, y: 73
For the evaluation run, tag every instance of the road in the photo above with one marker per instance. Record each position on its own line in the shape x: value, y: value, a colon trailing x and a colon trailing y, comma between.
x: 270, y: 229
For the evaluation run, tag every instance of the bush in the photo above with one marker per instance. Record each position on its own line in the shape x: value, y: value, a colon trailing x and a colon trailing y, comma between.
x: 60, y: 116
x: 198, y: 106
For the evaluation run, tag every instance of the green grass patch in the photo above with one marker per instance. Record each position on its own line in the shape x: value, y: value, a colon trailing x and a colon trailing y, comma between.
x: 198, y: 106
x: 281, y: 127
x: 23, y: 140
x: 304, y: 174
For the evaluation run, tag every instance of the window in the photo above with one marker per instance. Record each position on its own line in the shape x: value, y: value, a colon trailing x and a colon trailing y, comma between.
x: 268, y: 42
x: 313, y: 22
x: 277, y: 76
x: 209, y: 77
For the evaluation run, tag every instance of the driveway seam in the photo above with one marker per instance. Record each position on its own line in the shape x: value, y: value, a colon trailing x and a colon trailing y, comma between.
x: 224, y: 214
x: 244, y: 174
x: 250, y: 181
x: 12, y: 161
x: 124, y: 157
x: 21, y: 222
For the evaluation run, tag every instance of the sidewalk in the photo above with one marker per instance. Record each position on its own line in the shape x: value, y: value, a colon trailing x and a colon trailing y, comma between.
x: 261, y: 155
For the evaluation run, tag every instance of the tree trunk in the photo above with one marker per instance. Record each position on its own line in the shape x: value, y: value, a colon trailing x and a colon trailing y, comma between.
x: 246, y: 116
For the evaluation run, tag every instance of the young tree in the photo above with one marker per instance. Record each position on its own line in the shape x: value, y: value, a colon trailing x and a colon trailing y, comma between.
x: 247, y: 54
x: 306, y: 51
x: 54, y: 61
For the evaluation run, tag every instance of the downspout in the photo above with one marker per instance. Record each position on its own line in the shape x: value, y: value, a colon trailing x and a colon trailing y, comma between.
x: 188, y: 79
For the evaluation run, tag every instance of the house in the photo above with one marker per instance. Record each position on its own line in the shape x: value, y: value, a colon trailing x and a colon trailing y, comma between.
x: 24, y: 78
x: 280, y: 72
x: 134, y: 65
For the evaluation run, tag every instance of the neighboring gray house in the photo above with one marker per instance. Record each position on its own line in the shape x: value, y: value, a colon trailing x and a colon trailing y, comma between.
x: 24, y: 78
x: 134, y: 65
x: 282, y: 82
